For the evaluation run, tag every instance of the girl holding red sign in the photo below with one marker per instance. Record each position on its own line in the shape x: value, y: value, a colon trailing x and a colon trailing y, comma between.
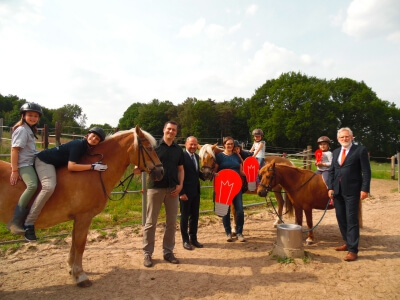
x: 229, y: 160
x: 323, y: 157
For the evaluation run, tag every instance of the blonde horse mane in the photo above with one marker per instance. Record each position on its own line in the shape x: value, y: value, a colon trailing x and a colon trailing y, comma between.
x: 148, y: 136
x: 206, y: 150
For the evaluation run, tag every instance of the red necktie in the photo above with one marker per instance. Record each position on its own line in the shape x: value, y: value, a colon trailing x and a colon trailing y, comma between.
x: 343, y: 157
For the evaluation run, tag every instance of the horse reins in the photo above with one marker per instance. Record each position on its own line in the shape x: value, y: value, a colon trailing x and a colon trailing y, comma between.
x: 269, y: 189
x: 142, y: 152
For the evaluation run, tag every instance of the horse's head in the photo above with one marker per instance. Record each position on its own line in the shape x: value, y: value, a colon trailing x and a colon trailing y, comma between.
x: 146, y: 158
x: 267, y: 179
x: 207, y: 159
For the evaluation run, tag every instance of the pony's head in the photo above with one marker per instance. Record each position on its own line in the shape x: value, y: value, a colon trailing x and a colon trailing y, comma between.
x: 145, y: 157
x: 267, y: 179
x: 207, y: 158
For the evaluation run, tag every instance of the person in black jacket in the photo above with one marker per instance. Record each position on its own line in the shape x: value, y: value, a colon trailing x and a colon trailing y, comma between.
x: 189, y: 197
x: 349, y: 183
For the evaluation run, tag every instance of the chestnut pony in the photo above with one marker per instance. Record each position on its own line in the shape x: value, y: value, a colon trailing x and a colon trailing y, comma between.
x: 306, y: 190
x: 207, y: 157
x: 80, y: 196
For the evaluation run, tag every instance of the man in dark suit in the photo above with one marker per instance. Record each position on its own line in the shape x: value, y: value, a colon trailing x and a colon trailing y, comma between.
x: 189, y: 197
x: 348, y: 183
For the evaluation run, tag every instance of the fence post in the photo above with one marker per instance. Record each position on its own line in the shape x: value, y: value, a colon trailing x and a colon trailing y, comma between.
x: 398, y: 170
x: 1, y: 131
x: 309, y: 157
x: 304, y: 159
x: 144, y: 199
x: 393, y: 167
x: 58, y: 134
x: 45, y: 136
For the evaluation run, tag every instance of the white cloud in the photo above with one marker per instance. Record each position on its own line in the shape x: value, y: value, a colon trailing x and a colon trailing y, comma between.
x: 246, y: 45
x: 251, y: 10
x: 192, y: 30
x: 372, y: 18
x: 215, y: 31
x: 235, y: 28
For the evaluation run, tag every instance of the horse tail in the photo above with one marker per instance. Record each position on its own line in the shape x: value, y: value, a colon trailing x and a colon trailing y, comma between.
x: 360, y: 219
x: 288, y: 206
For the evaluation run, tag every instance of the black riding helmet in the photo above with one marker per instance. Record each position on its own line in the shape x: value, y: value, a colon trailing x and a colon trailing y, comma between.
x: 99, y: 131
x: 31, y: 106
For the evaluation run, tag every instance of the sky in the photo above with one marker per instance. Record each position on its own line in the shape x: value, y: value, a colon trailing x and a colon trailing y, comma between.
x: 106, y: 55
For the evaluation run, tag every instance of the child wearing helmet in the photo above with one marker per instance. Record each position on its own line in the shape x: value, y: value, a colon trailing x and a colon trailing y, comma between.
x: 23, y: 152
x: 46, y: 163
x: 258, y: 147
x: 324, y: 162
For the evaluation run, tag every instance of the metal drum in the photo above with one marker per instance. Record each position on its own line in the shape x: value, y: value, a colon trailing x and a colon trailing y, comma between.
x: 289, y: 241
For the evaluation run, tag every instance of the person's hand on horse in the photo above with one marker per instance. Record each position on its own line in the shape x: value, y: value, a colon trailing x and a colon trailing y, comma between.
x: 99, y: 167
x: 14, y: 178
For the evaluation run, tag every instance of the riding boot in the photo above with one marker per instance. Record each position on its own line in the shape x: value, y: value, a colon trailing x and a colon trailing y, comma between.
x: 16, y: 224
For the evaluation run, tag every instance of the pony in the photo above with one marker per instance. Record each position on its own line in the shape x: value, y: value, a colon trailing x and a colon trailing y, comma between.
x: 207, y: 157
x: 80, y: 196
x: 305, y: 189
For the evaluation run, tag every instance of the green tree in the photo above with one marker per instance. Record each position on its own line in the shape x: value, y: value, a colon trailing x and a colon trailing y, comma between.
x: 129, y: 119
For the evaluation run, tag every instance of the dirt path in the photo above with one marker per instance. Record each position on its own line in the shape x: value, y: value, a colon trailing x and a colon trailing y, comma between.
x: 221, y: 270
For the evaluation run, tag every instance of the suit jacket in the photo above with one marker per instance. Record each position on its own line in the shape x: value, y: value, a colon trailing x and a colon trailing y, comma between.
x: 191, y: 184
x: 354, y: 175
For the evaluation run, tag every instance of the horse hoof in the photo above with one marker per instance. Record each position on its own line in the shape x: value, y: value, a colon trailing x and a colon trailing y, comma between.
x: 85, y: 283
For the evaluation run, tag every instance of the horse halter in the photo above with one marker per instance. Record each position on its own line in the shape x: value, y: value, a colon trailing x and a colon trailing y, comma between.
x: 269, y: 187
x: 142, y: 152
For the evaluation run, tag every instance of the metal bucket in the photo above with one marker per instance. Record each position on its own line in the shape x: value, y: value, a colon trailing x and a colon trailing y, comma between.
x: 289, y: 241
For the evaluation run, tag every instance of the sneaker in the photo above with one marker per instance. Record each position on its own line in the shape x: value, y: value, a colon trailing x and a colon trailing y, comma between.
x: 147, y: 262
x: 30, y: 233
x: 171, y: 258
x: 241, y: 237
x: 229, y: 237
x: 233, y: 232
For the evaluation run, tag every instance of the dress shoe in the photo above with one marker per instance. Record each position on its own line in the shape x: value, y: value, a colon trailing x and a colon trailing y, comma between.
x: 351, y: 256
x: 196, y: 244
x: 171, y: 258
x: 341, y: 248
x: 187, y: 246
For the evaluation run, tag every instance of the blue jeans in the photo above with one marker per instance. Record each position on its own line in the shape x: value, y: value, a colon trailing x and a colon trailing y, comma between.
x: 226, y: 220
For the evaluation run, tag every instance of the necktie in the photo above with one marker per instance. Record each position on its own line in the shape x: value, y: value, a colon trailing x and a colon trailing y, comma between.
x: 194, y: 161
x: 343, y: 157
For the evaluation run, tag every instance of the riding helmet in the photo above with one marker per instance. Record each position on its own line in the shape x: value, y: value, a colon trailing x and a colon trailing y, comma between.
x: 99, y: 131
x: 257, y: 131
x: 31, y: 106
x: 324, y: 139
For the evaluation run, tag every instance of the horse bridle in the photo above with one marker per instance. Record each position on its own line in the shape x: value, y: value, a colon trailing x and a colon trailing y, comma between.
x: 142, y: 152
x: 269, y: 187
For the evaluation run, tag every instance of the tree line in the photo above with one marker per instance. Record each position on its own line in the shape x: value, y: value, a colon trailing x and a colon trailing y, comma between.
x: 292, y: 110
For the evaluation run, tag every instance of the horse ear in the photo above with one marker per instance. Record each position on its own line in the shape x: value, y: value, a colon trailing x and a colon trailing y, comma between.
x: 138, y: 130
x: 215, y: 145
x: 199, y: 146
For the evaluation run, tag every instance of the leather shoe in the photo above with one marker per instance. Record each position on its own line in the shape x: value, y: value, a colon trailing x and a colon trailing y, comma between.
x: 341, y: 248
x: 187, y: 246
x: 171, y: 258
x: 351, y: 256
x: 196, y: 244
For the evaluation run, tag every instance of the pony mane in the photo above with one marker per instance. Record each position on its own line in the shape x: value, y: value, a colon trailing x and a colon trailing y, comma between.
x: 148, y: 136
x: 206, y: 149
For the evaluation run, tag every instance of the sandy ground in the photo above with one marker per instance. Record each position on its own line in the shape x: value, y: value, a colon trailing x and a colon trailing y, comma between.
x: 221, y: 270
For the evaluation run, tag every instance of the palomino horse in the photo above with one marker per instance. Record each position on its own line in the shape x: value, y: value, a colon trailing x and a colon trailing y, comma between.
x: 207, y: 156
x: 306, y: 190
x: 80, y: 196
